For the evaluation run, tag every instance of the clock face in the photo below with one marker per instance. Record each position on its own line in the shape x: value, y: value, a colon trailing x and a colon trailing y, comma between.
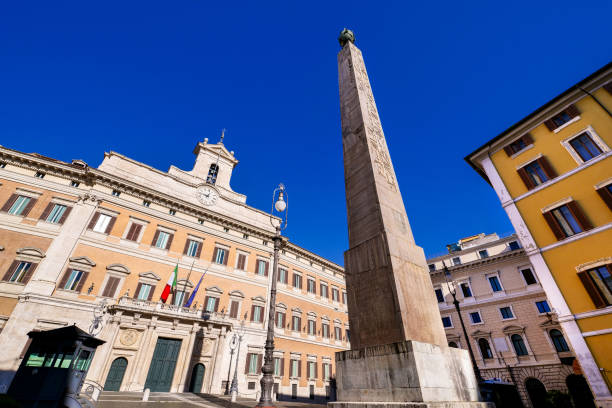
x: 207, y: 195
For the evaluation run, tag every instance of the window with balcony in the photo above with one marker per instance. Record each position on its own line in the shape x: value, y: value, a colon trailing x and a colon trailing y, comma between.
x: 211, y: 304
x: 144, y: 291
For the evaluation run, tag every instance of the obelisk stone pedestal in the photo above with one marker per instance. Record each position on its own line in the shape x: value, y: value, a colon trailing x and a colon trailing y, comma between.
x: 399, y: 353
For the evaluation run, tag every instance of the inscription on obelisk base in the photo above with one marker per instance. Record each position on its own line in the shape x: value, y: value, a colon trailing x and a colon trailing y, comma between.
x: 399, y: 353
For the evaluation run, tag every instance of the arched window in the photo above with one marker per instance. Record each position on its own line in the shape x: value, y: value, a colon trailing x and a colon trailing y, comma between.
x: 212, y: 174
x: 519, y: 345
x: 485, y: 349
x: 115, y: 374
x: 558, y: 340
x: 452, y: 344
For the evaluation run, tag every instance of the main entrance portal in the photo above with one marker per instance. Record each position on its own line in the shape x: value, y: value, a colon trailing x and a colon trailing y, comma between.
x: 163, y: 364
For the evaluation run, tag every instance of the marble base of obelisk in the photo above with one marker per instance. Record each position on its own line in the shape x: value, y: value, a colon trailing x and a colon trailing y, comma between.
x: 407, y: 374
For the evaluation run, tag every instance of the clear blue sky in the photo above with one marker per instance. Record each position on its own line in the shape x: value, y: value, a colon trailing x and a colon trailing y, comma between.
x: 149, y: 79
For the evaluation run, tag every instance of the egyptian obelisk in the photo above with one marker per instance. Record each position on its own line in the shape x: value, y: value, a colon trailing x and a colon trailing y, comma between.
x: 399, y: 352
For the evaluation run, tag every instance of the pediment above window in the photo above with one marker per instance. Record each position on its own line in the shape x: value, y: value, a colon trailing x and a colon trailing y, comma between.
x: 82, y: 260
x: 258, y: 299
x: 513, y: 329
x: 31, y: 252
x: 480, y: 333
x: 149, y: 275
x: 119, y: 268
x: 183, y: 283
x: 214, y: 289
x: 281, y: 306
x: 236, y: 294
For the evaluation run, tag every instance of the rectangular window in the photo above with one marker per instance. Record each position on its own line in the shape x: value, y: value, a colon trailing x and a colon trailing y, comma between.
x: 102, y: 223
x: 439, y: 295
x: 585, y: 147
x: 172, y: 211
x: 111, y: 286
x: 262, y: 268
x: 39, y: 174
x: 465, y: 289
x: 446, y: 321
x: 144, y: 292
x: 335, y: 294
x: 456, y: 261
x: 20, y: 272
x: 280, y: 320
x: 311, y: 369
x: 483, y: 254
x: 562, y: 118
x: 605, y: 193
x: 566, y: 220
x: 295, y: 368
x: 344, y: 297
x: 536, y: 173
x: 542, y: 306
x: 19, y: 205
x: 179, y: 298
x: 514, y: 246
x: 324, y: 293
x: 116, y: 193
x: 506, y: 312
x: 601, y: 279
x: 162, y: 239
x: 282, y: 275
x: 146, y: 203
x: 234, y: 309
x: 74, y: 183
x: 495, y: 285
x: 528, y: 276
x: 312, y: 327
x: 277, y: 366
x: 325, y: 330
x: 518, y: 145
x: 211, y: 304
x: 311, y: 286
x: 257, y: 314
x: 134, y: 232
x: 295, y: 323
x: 56, y: 213
x: 297, y: 281
x: 193, y: 248
x: 326, y: 371
x: 253, y: 363
x: 337, y: 333
x: 73, y: 280
x: 241, y: 263
x: 432, y: 267
x: 220, y: 256
x: 475, y: 317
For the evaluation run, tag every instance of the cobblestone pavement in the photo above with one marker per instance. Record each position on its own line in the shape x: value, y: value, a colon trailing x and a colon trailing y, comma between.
x: 187, y: 400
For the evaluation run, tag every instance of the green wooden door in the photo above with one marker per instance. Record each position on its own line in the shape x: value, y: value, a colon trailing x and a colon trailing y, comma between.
x: 162, y: 365
x: 115, y: 375
x: 197, y: 378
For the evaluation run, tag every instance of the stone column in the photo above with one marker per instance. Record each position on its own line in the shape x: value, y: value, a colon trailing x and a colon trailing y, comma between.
x: 216, y: 362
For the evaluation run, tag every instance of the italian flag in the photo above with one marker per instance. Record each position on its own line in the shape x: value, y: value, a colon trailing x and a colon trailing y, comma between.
x: 170, y: 285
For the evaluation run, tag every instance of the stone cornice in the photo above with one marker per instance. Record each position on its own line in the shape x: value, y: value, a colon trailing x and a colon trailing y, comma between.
x: 479, y: 262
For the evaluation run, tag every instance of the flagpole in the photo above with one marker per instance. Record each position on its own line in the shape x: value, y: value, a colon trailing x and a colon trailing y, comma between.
x: 185, y: 284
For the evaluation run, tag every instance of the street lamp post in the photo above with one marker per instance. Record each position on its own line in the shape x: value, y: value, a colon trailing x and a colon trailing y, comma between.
x: 278, y: 219
x: 453, y: 292
x: 232, y: 346
x: 234, y: 387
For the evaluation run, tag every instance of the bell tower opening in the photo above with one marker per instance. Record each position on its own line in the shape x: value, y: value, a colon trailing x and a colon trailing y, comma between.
x: 212, y: 174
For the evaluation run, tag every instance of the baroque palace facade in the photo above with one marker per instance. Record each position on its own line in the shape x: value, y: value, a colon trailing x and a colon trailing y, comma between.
x: 552, y: 172
x: 95, y: 247
x: 515, y: 336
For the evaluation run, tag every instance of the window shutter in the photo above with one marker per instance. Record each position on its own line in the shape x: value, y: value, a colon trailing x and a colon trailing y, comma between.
x: 81, y: 283
x: 9, y: 203
x: 248, y: 360
x: 584, y: 222
x: 186, y: 296
x: 608, y: 87
x: 550, y: 125
x: 62, y: 282
x: 299, y: 373
x: 137, y: 291
x: 46, y: 211
x: 214, y: 257
x: 170, y: 238
x: 234, y: 309
x: 10, y: 271
x: 186, y: 247
x: 508, y: 150
x: 216, y: 304
x: 550, y: 172
x: 259, y: 358
x: 527, y: 139
x: 299, y: 324
x: 93, y: 221
x: 29, y: 207
x: 525, y: 177
x: 111, y: 287
x: 592, y: 290
x: 266, y: 267
x: 155, y: 236
x: 605, y: 195
x: 282, y: 366
x: 241, y: 260
x: 206, y: 302
x: 252, y: 312
x: 65, y: 215
x: 572, y: 111
x: 316, y: 366
x: 283, y: 318
x: 29, y: 273
x: 199, y: 250
x: 109, y: 227
x: 554, y: 226
x: 151, y: 293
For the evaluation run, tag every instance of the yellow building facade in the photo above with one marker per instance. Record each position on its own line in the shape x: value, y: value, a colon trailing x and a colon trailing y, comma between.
x: 552, y: 172
x: 95, y: 247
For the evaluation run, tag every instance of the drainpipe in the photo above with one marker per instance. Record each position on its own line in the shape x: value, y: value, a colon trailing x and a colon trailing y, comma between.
x: 596, y: 100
